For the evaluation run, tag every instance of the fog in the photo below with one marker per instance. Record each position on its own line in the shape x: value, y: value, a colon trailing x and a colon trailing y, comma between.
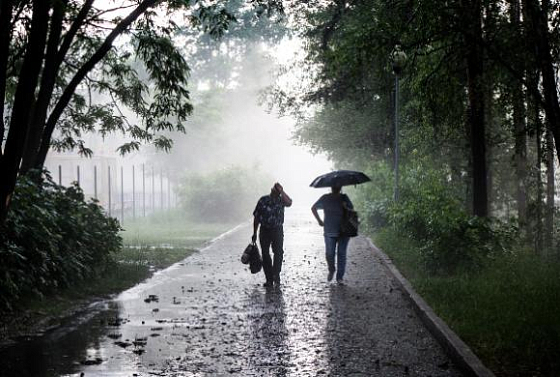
x: 229, y: 127
x: 243, y: 132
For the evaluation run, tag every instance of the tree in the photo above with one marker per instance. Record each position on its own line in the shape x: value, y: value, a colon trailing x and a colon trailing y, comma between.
x: 55, y: 55
x: 351, y: 56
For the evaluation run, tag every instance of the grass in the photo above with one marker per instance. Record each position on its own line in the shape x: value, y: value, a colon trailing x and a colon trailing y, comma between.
x: 508, y: 311
x: 153, y: 243
x: 149, y: 244
x: 173, y: 229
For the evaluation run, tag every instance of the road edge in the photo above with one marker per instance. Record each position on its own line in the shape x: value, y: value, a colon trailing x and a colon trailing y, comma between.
x: 211, y: 242
x: 458, y: 351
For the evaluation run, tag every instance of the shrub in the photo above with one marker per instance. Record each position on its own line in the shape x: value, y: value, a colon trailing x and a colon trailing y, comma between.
x: 373, y: 199
x: 52, y: 237
x: 431, y: 213
x: 224, y: 195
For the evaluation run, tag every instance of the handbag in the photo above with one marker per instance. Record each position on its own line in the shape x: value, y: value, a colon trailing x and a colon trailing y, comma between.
x: 349, y: 224
x: 252, y: 257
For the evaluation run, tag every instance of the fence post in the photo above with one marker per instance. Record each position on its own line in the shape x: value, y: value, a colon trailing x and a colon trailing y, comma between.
x: 60, y: 175
x: 143, y: 191
x: 78, y: 174
x: 133, y: 193
x: 122, y: 195
x: 161, y: 188
x: 109, y: 176
x: 153, y: 191
x: 168, y: 192
x: 95, y: 181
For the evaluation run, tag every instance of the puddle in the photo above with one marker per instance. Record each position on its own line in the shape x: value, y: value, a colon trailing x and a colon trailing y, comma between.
x: 64, y: 351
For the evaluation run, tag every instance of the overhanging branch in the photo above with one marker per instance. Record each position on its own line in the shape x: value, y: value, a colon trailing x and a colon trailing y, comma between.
x: 84, y: 70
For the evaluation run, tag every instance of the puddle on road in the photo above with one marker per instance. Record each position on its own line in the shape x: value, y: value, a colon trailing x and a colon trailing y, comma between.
x: 64, y: 351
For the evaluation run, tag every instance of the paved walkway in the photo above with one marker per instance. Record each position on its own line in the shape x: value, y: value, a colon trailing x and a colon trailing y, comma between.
x: 209, y: 316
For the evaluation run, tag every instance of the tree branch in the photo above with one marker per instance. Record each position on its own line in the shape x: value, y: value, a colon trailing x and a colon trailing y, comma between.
x: 105, y: 11
x: 18, y: 13
x: 23, y: 101
x: 83, y: 71
x: 76, y: 25
x: 48, y: 80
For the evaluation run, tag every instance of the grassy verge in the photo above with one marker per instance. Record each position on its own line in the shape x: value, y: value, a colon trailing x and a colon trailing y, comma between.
x: 149, y: 244
x: 171, y: 229
x: 508, y: 311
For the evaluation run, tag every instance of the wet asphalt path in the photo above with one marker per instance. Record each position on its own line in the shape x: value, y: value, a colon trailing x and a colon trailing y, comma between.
x: 208, y: 316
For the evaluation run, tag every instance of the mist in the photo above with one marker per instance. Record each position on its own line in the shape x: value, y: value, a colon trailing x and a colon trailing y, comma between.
x: 245, y: 134
x: 229, y: 127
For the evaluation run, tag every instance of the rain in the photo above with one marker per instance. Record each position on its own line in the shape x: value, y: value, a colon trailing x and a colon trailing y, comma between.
x: 278, y: 188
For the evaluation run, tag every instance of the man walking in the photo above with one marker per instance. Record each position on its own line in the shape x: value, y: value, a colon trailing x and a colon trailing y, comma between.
x: 269, y: 214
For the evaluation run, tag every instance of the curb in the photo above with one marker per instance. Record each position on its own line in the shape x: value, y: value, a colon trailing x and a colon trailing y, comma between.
x: 457, y: 350
x: 211, y: 242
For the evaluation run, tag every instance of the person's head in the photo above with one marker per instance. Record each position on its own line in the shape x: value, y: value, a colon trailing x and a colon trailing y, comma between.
x: 336, y: 189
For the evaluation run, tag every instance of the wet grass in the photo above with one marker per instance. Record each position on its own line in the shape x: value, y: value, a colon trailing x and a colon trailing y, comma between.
x: 507, y: 312
x: 149, y: 244
x: 172, y: 228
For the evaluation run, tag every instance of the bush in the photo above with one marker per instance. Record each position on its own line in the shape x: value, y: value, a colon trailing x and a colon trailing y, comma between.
x: 431, y: 214
x: 373, y: 199
x: 52, y: 237
x: 224, y: 195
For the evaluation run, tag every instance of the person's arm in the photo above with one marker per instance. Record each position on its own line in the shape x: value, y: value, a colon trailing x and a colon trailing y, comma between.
x: 256, y: 220
x: 347, y: 203
x: 316, y: 214
x: 255, y: 228
x: 285, y: 197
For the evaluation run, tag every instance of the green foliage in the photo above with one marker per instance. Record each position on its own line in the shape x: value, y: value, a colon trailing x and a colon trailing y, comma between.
x: 346, y: 132
x: 242, y: 32
x: 224, y: 195
x: 374, y: 199
x: 430, y: 213
x: 506, y: 311
x: 52, y: 237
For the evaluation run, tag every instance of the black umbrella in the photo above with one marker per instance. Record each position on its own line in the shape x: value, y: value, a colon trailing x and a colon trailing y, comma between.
x: 340, y: 178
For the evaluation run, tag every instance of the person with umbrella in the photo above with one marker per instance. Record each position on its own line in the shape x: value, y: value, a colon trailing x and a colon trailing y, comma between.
x: 269, y: 215
x: 333, y: 206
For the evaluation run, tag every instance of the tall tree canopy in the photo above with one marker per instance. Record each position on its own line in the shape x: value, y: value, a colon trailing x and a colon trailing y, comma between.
x: 478, y: 79
x: 62, y: 75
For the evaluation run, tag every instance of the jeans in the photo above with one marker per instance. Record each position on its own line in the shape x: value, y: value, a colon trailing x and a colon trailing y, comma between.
x: 274, y: 237
x: 331, y: 249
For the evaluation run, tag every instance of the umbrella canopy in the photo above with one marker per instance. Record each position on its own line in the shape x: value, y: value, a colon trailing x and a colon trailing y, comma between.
x: 340, y: 178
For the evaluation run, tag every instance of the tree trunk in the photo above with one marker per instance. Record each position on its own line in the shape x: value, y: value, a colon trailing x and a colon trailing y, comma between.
x: 538, y: 23
x: 489, y: 122
x: 550, y: 189
x: 475, y: 70
x: 520, y: 135
x: 5, y: 18
x: 48, y: 80
x: 535, y: 122
x: 25, y: 95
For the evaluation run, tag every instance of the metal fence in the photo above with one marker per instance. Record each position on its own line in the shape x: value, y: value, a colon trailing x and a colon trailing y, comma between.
x: 124, y: 191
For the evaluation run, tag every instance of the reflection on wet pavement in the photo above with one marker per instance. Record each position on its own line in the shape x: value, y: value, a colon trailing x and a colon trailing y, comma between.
x: 209, y: 316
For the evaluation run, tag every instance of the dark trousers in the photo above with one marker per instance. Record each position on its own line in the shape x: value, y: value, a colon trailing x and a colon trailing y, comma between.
x: 274, y: 237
